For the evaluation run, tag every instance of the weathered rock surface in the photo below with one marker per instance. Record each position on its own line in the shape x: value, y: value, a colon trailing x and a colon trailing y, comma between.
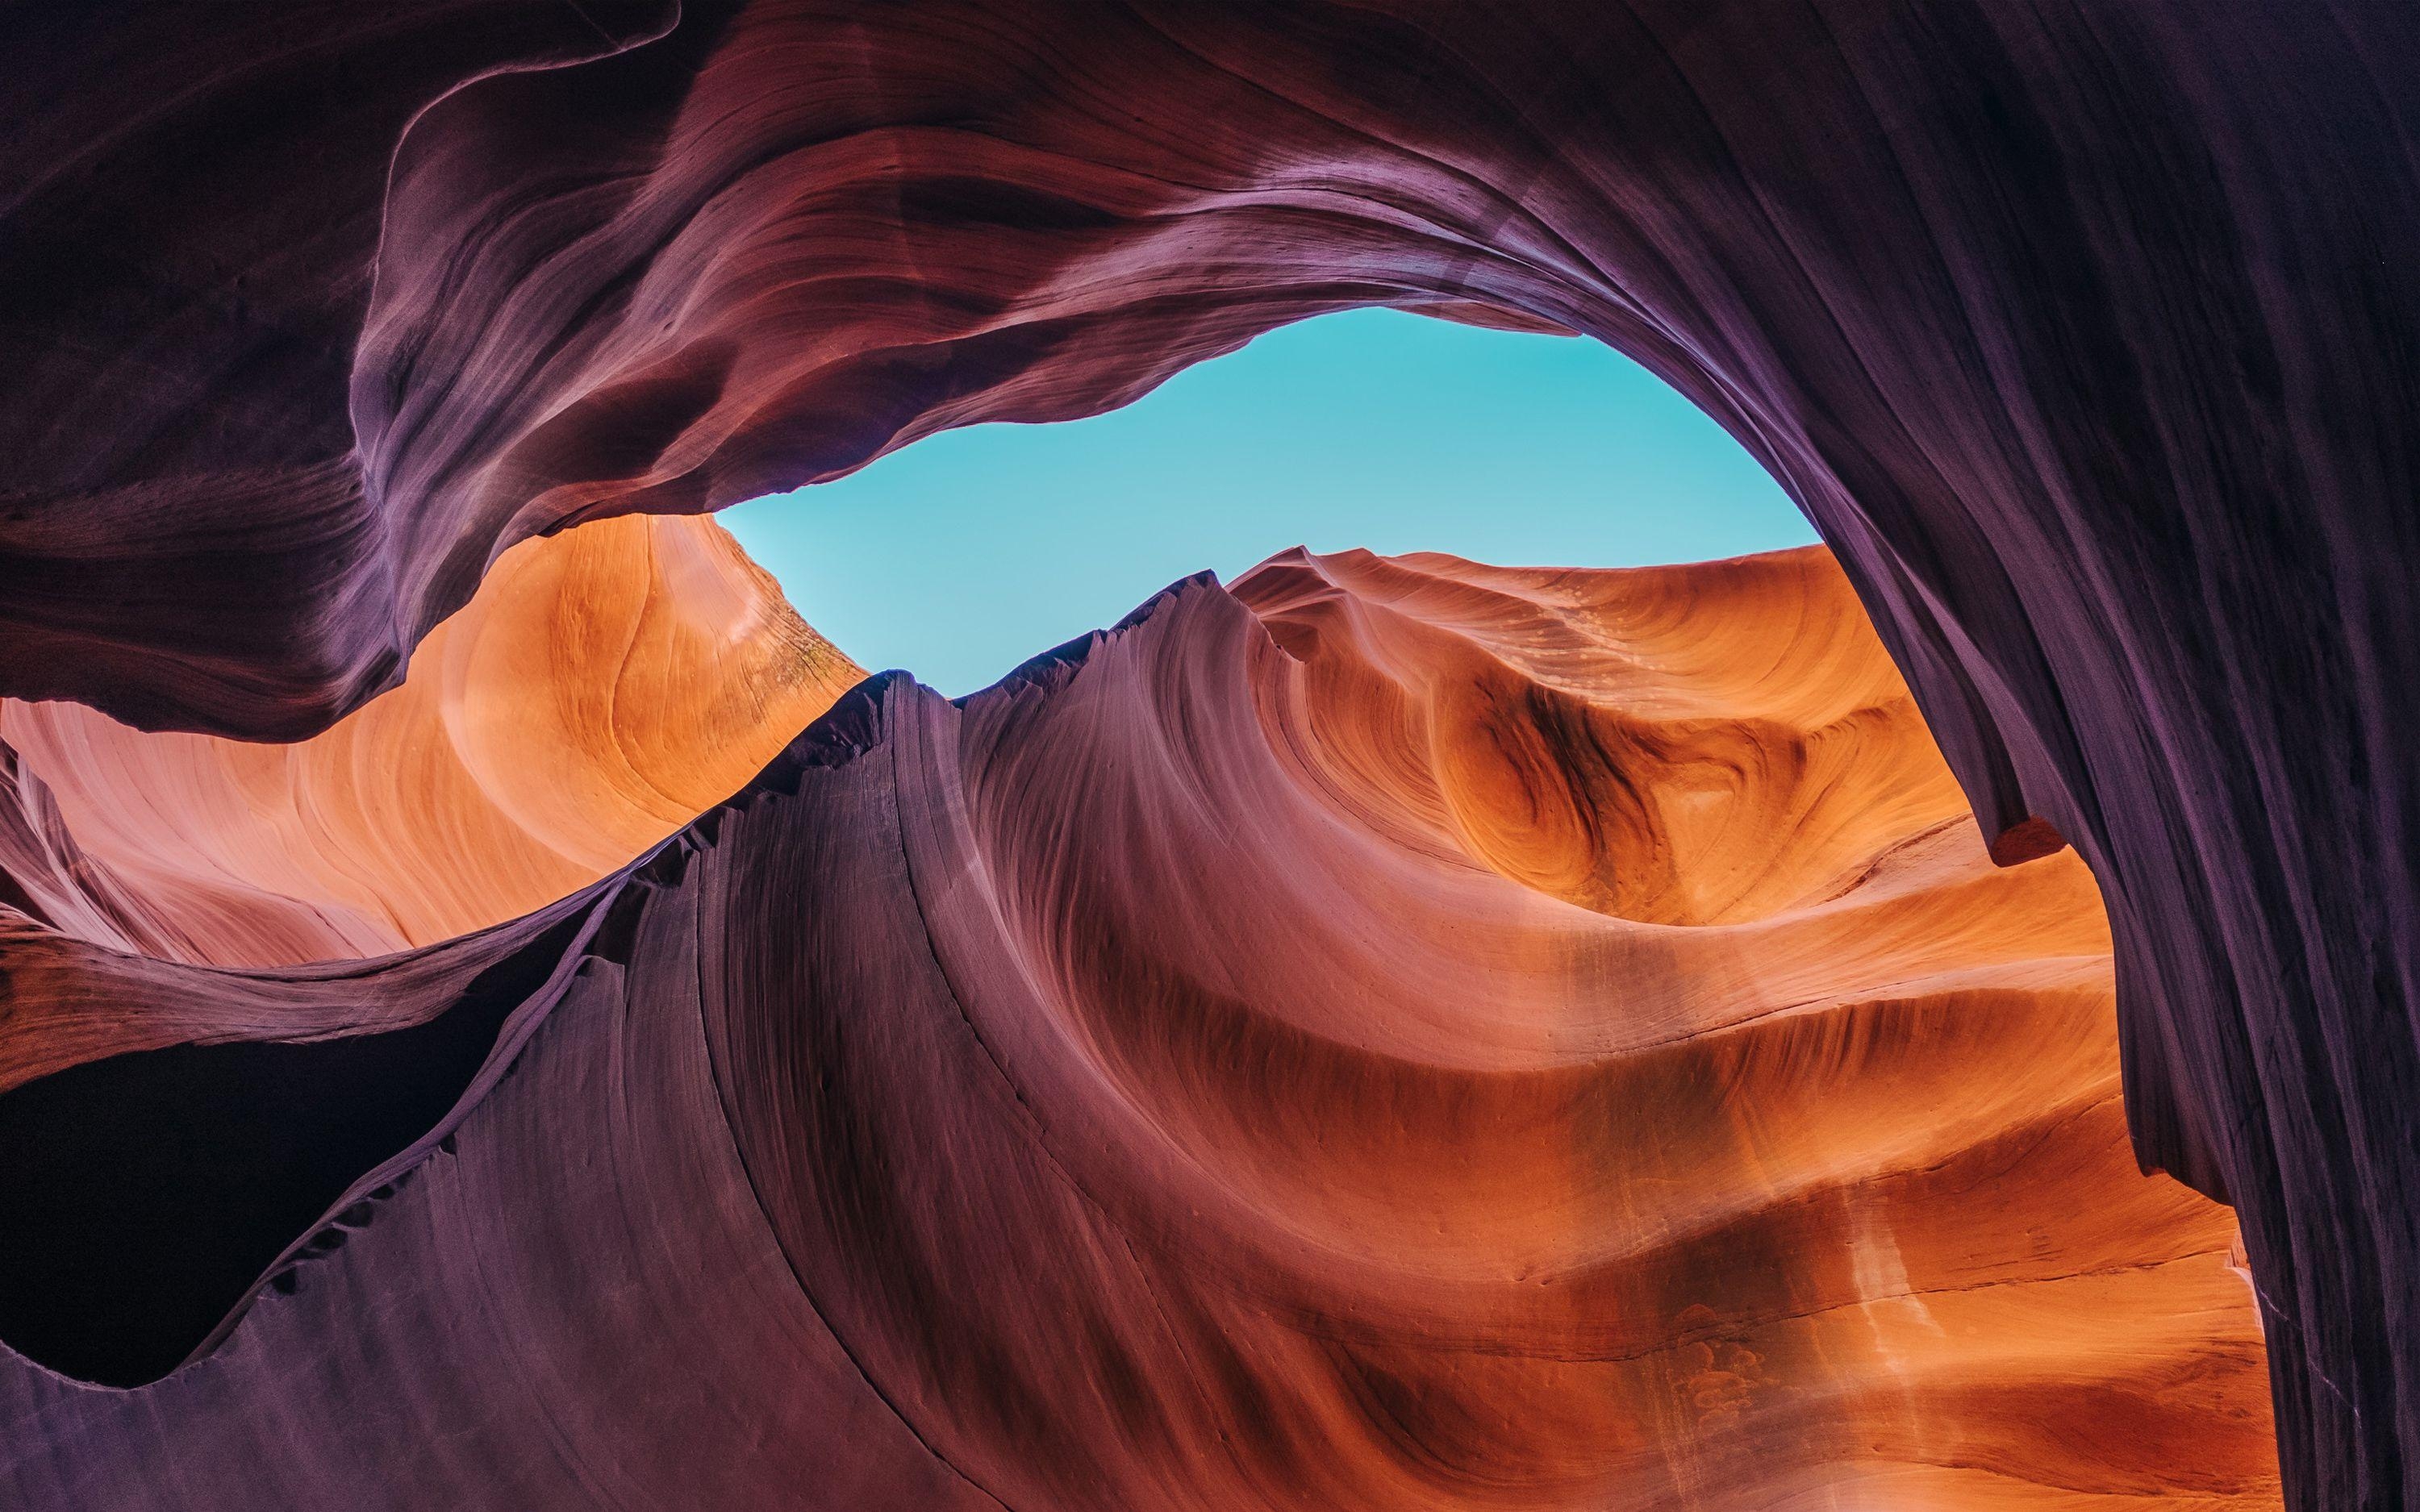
x: 2083, y: 330
x: 1399, y: 1034
x: 604, y: 687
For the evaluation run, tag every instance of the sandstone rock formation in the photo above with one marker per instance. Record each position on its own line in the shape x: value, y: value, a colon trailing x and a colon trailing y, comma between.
x: 2082, y: 330
x: 1399, y: 1034
x: 605, y: 686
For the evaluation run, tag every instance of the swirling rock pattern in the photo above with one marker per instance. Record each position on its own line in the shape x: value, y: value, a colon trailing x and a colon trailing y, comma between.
x: 604, y: 687
x: 1396, y: 1034
x: 2082, y: 329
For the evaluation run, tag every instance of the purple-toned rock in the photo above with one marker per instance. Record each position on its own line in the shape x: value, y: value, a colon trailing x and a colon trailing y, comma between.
x: 2086, y: 334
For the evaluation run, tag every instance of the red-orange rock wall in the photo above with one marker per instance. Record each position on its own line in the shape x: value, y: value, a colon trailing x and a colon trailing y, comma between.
x: 604, y: 687
x: 1399, y: 1034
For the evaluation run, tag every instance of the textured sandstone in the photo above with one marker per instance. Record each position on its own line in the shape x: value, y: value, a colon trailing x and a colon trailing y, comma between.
x: 2084, y: 331
x: 605, y: 686
x: 1399, y: 1034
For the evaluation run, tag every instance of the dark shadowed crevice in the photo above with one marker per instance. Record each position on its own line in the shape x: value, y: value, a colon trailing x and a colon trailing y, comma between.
x: 147, y: 1193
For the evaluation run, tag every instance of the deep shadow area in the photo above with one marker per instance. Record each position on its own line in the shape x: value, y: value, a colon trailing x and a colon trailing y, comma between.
x: 141, y: 1197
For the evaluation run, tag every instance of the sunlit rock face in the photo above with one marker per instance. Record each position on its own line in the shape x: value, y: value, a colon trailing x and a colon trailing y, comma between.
x: 604, y: 687
x: 1398, y: 1033
x: 2083, y: 333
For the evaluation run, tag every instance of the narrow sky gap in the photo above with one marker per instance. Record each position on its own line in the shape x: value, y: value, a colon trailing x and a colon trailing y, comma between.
x: 964, y: 554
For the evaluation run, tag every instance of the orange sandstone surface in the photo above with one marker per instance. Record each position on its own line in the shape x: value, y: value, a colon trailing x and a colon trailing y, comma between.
x: 605, y: 686
x: 1387, y: 1034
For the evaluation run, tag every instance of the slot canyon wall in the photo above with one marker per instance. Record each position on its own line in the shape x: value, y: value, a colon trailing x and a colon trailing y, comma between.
x: 604, y: 687
x: 1396, y: 1034
x: 2084, y: 331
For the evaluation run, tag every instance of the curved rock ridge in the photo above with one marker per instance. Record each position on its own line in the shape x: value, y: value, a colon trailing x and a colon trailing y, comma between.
x: 1699, y: 745
x: 1399, y: 1034
x: 606, y: 686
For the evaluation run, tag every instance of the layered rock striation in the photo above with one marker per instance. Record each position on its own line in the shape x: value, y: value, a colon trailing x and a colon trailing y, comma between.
x: 1394, y: 1033
x: 2083, y: 332
x: 604, y: 687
